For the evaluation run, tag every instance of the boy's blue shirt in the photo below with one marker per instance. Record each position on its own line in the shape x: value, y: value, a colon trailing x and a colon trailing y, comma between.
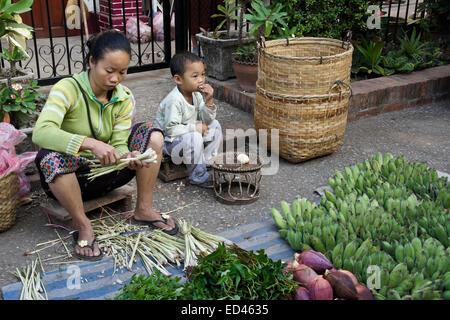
x: 175, y: 116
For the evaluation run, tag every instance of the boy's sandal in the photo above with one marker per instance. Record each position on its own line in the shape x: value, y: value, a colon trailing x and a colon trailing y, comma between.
x: 84, y: 244
x: 151, y: 223
x: 208, y: 184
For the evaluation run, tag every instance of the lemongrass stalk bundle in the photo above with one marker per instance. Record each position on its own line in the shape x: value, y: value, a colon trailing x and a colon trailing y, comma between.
x: 162, y: 237
x: 154, y: 250
x: 209, y: 239
x: 170, y: 243
x: 149, y: 264
x: 164, y: 254
x: 134, y: 251
x: 32, y: 285
x: 97, y: 170
x: 191, y: 250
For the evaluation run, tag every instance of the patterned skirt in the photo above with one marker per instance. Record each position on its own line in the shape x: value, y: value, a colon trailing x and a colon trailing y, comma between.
x: 52, y: 164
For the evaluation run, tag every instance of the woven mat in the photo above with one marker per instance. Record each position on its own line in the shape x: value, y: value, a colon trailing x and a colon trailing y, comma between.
x: 98, y: 281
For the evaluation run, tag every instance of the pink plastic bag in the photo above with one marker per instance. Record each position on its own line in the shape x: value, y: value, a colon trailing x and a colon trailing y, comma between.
x: 158, y: 23
x: 158, y: 26
x: 10, y: 137
x: 9, y: 161
x: 26, y: 158
x: 132, y: 31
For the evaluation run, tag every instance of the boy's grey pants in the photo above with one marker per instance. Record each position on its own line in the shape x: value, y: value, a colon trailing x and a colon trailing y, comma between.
x: 195, y: 150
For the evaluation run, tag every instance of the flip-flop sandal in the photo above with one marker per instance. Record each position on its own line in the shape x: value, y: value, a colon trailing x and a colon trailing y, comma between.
x: 151, y: 223
x: 83, y: 257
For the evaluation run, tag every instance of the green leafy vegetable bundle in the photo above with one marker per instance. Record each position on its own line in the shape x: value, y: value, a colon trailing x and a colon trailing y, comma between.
x: 227, y: 273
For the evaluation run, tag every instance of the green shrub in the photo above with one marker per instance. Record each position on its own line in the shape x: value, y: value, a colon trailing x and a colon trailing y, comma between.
x: 373, y: 58
x: 438, y: 14
x: 328, y: 18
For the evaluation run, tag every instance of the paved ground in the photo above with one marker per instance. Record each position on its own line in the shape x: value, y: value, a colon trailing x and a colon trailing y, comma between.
x: 421, y: 134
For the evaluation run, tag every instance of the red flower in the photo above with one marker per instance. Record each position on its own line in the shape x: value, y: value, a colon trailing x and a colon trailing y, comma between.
x: 13, y: 96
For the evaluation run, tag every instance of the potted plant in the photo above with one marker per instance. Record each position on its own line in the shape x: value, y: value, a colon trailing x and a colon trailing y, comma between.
x: 21, y: 103
x: 219, y: 45
x: 264, y: 20
x: 16, y: 34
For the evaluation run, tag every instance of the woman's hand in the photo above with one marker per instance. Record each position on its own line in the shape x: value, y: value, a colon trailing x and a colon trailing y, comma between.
x: 135, y: 164
x: 107, y: 154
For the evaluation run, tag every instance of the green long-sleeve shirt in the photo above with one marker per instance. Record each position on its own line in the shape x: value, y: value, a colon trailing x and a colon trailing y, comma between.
x: 63, y: 123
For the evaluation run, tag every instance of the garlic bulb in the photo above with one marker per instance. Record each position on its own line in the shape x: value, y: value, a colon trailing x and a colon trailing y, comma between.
x: 243, y: 158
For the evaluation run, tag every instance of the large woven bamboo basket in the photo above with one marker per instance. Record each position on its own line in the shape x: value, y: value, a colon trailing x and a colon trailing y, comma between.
x: 303, y: 90
x: 9, y: 200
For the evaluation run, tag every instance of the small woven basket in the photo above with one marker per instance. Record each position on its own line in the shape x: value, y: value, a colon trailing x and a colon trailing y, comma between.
x: 235, y: 182
x: 9, y: 200
x: 303, y: 91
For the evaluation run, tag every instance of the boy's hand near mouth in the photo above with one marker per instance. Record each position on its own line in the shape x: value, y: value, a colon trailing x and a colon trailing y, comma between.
x: 208, y: 92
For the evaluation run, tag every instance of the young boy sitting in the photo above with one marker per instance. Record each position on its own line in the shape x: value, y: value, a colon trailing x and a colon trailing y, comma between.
x: 187, y: 117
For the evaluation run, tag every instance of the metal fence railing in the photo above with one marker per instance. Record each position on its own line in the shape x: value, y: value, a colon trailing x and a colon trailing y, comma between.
x: 398, y: 14
x: 61, y: 31
x: 58, y: 48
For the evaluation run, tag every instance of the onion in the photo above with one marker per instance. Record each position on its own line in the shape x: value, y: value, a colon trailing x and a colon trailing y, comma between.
x: 303, y: 273
x: 342, y: 285
x: 315, y: 260
x: 351, y: 275
x: 301, y: 293
x: 289, y: 268
x: 320, y: 289
x: 364, y: 293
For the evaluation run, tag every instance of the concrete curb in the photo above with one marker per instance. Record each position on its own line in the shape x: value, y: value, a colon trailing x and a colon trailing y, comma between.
x: 370, y: 97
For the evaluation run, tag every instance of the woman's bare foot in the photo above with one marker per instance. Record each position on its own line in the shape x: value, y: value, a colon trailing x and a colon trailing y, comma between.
x: 86, y: 234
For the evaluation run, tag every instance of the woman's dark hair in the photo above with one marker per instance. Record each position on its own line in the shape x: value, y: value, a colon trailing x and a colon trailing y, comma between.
x: 178, y: 62
x: 106, y: 41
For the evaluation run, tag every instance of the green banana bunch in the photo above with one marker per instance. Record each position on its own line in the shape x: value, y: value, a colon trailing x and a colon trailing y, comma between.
x: 317, y: 244
x: 388, y: 247
x: 400, y: 253
x: 350, y: 249
x: 295, y: 239
x: 330, y: 196
x: 283, y: 233
x: 383, y: 211
x: 292, y: 223
x: 440, y: 233
x: 348, y: 264
x: 397, y: 275
x: 297, y: 210
x: 406, y: 285
x: 278, y: 218
x: 363, y: 249
x: 336, y: 255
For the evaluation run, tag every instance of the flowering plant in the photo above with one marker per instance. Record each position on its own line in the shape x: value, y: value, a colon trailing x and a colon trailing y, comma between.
x: 18, y: 101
